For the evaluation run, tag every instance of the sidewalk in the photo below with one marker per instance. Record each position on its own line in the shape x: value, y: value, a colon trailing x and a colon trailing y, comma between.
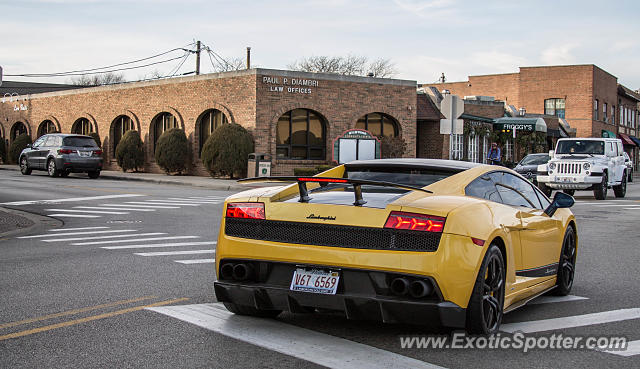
x: 10, y: 221
x: 195, y: 181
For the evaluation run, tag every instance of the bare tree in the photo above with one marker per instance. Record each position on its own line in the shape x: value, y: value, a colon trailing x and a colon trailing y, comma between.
x: 98, y: 79
x: 351, y: 65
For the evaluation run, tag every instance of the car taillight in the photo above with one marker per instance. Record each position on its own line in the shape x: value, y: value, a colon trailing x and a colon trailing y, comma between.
x: 97, y: 153
x: 414, y: 222
x: 65, y: 151
x: 247, y: 210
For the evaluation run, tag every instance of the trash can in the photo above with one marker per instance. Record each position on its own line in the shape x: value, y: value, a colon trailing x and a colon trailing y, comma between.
x: 259, y: 165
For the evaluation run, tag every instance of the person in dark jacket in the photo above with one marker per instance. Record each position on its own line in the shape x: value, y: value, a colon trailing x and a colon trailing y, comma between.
x: 494, y: 155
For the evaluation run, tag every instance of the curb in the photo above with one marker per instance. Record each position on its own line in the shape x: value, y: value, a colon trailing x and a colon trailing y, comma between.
x: 40, y: 222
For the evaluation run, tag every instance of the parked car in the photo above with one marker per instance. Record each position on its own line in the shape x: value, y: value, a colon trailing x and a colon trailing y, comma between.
x: 629, y: 164
x: 528, y: 166
x: 61, y: 154
x: 595, y: 164
x: 418, y: 241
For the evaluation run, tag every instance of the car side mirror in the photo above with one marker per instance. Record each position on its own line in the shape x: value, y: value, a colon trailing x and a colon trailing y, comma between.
x: 560, y: 200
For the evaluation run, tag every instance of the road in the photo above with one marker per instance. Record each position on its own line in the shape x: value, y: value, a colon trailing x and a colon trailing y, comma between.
x: 117, y: 286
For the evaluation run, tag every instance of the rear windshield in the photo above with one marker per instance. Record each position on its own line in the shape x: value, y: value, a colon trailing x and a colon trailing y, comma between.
x: 534, y: 160
x: 406, y: 176
x: 580, y: 147
x: 79, y: 142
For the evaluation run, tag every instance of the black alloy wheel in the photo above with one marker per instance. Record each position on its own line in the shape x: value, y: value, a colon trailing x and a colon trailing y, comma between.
x: 600, y: 192
x: 485, y: 310
x: 630, y: 176
x: 569, y: 192
x: 545, y: 189
x: 24, y: 166
x: 51, y: 168
x: 621, y: 189
x: 567, y: 265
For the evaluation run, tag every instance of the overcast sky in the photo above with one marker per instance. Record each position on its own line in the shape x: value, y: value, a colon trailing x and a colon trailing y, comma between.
x: 422, y: 38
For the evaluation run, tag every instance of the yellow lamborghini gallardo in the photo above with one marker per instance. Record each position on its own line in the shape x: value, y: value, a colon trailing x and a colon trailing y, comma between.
x: 396, y: 240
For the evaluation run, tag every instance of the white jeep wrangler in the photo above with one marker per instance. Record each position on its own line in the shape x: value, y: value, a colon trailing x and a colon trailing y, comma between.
x: 585, y: 164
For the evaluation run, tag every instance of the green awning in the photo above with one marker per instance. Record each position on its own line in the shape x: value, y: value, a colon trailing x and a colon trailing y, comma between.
x: 608, y: 134
x: 520, y: 124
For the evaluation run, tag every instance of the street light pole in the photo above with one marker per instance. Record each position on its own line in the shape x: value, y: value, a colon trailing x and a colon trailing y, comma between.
x: 197, y: 57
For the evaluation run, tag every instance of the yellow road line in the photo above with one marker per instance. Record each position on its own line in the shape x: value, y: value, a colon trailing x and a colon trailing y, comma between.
x: 87, y: 319
x: 75, y: 311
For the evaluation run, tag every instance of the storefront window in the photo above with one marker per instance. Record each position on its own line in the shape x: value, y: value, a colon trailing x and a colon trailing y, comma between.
x: 554, y: 107
x: 209, y: 122
x: 457, y: 146
x: 119, y: 127
x: 82, y: 126
x: 378, y: 124
x: 300, y: 134
x: 473, y: 147
x: 162, y: 123
x: 46, y: 127
x: 18, y: 129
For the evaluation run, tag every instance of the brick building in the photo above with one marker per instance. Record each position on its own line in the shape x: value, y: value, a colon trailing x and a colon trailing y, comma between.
x: 585, y: 95
x: 294, y: 116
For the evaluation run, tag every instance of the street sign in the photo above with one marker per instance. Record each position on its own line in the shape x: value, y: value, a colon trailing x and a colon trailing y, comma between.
x: 452, y: 108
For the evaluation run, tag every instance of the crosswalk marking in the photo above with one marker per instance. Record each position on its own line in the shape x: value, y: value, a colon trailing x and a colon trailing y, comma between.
x: 133, y: 240
x: 143, y: 206
x: 78, y: 233
x: 196, y: 200
x: 75, y: 229
x: 73, y: 199
x: 553, y: 299
x: 103, y: 237
x: 572, y: 321
x: 74, y: 215
x: 155, y: 245
x: 633, y: 349
x: 90, y: 211
x: 151, y: 202
x: 196, y: 261
x: 305, y: 344
x: 111, y: 208
x: 167, y: 253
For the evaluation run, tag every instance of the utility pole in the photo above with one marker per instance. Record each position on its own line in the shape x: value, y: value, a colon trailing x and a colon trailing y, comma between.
x: 197, y: 57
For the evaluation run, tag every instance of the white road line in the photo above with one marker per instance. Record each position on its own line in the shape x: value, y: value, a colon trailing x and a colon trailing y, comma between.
x: 614, y: 205
x: 134, y: 240
x: 633, y: 349
x: 553, y: 299
x: 159, y: 203
x: 72, y: 199
x: 143, y: 206
x: 572, y: 321
x: 78, y: 233
x: 166, y: 253
x: 75, y: 229
x: 60, y: 215
x: 207, y: 197
x: 636, y: 208
x: 89, y: 211
x: 107, y: 208
x: 213, y: 201
x: 103, y: 237
x: 155, y: 245
x: 304, y: 344
x: 196, y: 261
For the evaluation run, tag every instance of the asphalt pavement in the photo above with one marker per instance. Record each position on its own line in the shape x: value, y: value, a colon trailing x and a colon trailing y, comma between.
x: 122, y: 276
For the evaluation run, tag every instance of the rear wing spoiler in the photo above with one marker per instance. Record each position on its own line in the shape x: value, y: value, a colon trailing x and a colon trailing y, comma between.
x: 357, y: 185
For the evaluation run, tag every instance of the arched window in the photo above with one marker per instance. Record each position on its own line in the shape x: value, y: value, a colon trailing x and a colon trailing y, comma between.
x: 209, y: 121
x: 300, y: 134
x: 18, y: 129
x: 46, y: 127
x: 379, y: 124
x: 119, y: 127
x: 82, y: 126
x: 162, y: 123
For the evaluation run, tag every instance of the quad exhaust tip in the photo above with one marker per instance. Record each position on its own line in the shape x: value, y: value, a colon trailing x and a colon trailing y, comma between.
x: 419, y: 289
x: 399, y: 286
x: 242, y: 271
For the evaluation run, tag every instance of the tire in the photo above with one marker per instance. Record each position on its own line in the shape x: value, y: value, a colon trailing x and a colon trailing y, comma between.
x: 569, y: 192
x: 51, y: 168
x: 630, y: 179
x: 545, y: 189
x: 95, y: 174
x: 567, y: 265
x: 24, y: 166
x: 251, y: 311
x: 621, y: 189
x: 600, y: 192
x: 485, y: 309
x: 64, y: 174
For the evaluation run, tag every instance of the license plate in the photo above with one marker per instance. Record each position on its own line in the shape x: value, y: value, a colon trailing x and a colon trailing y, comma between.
x: 85, y: 153
x: 315, y: 281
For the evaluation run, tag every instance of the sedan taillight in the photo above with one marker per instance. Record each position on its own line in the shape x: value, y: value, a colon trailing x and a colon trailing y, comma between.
x: 246, y: 210
x: 415, y: 222
x: 97, y: 153
x: 65, y: 151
